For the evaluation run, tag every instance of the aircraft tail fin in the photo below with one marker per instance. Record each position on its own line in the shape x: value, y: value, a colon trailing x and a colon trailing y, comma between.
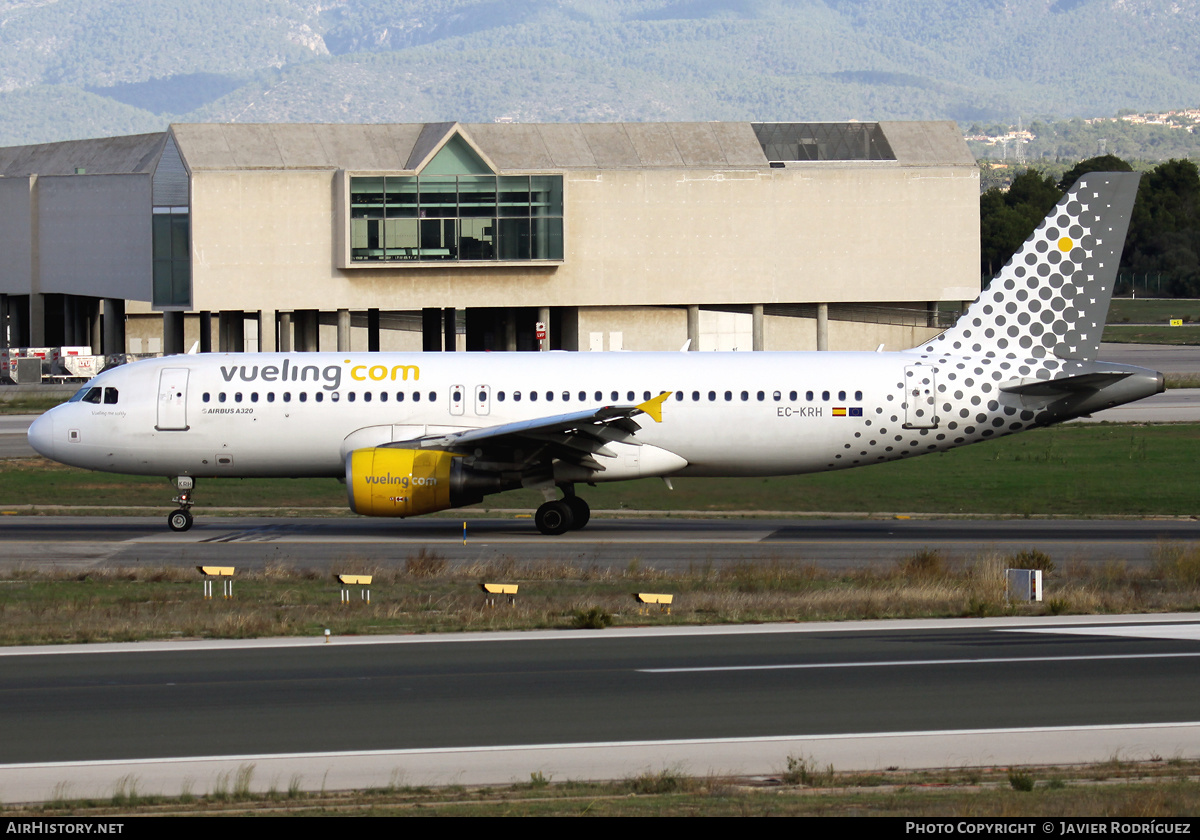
x: 1051, y: 299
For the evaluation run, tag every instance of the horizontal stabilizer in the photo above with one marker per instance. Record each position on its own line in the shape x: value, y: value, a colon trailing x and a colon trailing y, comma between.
x: 1065, y: 385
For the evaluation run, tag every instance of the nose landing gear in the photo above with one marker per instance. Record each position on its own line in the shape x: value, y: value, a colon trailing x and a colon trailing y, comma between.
x: 181, y: 520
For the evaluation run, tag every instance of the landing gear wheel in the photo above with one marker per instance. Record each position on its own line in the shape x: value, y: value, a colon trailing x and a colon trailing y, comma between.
x: 580, y: 512
x: 179, y: 520
x: 554, y: 518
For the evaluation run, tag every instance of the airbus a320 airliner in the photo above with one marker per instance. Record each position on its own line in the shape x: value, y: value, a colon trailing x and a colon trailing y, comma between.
x: 417, y: 433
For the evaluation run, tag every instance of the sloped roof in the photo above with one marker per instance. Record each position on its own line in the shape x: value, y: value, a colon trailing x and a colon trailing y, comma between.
x: 102, y: 156
x: 516, y: 147
x: 510, y: 147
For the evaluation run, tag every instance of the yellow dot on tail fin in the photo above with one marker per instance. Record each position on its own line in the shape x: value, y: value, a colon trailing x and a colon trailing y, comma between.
x: 654, y: 407
x: 1065, y: 244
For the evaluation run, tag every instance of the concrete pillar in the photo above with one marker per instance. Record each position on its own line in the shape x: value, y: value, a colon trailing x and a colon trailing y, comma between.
x: 172, y: 333
x: 544, y: 317
x: 431, y: 330
x: 205, y: 321
x: 693, y: 327
x: 343, y: 330
x: 69, y: 336
x: 95, y: 327
x: 822, y: 326
x: 285, y: 332
x: 510, y: 330
x: 450, y: 333
x: 931, y: 314
x: 231, y: 329
x: 37, y: 320
x: 756, y: 321
x: 3, y: 323
x: 114, y: 327
x: 307, y: 330
x: 373, y: 330
x: 268, y: 330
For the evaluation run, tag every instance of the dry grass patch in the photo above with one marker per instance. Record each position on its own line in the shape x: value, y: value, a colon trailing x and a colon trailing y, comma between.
x: 426, y: 593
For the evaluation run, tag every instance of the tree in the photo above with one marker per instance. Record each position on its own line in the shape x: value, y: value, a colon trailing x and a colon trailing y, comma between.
x: 1104, y: 163
x: 1006, y: 219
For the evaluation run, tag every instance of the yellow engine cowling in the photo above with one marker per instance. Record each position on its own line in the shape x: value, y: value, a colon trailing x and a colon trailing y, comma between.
x: 400, y: 482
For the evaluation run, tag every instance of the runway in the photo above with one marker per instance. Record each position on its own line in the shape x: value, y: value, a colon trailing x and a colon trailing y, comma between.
x: 480, y: 708
x: 663, y: 542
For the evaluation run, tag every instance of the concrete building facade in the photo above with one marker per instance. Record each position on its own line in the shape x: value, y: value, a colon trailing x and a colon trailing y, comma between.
x: 633, y: 236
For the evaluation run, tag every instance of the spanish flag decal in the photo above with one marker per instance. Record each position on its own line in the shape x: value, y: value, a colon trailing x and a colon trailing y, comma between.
x: 839, y: 411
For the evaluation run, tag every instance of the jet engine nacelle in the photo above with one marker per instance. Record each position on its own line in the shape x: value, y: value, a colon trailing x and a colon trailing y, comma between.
x: 382, y: 481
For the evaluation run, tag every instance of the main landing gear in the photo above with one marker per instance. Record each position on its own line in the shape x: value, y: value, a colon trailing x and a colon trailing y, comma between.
x: 561, y: 515
x: 181, y: 520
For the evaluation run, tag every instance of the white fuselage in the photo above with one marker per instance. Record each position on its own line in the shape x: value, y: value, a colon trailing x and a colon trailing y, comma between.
x: 729, y: 414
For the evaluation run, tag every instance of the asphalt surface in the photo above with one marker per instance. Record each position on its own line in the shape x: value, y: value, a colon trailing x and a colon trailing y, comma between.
x: 669, y: 543
x: 510, y: 694
x: 470, y: 694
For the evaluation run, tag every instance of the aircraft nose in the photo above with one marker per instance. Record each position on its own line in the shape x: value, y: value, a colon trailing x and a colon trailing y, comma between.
x: 41, y: 435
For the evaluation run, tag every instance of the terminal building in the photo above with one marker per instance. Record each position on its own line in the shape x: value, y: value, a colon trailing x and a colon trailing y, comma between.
x: 449, y: 236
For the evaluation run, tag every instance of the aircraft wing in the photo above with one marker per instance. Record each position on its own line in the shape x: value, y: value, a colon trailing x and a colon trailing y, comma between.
x: 574, y: 437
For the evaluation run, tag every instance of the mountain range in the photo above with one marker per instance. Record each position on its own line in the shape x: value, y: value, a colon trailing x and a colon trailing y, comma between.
x: 85, y: 68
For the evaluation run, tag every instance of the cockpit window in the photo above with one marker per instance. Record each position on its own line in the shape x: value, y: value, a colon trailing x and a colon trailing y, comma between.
x: 110, y: 396
x: 90, y: 395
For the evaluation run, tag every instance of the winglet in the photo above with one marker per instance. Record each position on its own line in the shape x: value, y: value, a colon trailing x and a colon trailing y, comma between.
x: 654, y: 407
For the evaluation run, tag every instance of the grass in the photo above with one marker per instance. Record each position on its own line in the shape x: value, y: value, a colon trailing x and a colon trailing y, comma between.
x: 30, y: 405
x: 1187, y: 334
x: 1150, y: 789
x: 123, y: 605
x: 1153, y: 310
x: 1079, y: 470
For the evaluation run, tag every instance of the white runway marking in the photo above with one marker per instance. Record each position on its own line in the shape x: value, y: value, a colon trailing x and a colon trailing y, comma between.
x: 1183, y: 632
x: 904, y: 663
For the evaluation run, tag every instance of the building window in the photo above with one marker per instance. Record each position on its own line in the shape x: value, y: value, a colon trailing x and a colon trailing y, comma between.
x: 172, y: 260
x: 456, y: 218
